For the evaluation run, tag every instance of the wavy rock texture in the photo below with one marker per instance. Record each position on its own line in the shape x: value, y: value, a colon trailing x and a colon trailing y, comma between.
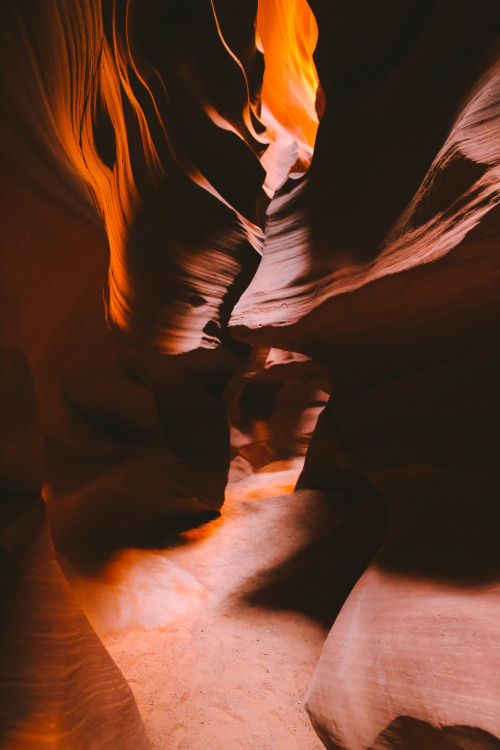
x: 459, y: 188
x: 149, y: 130
x: 381, y: 264
x: 135, y: 163
x: 60, y: 688
x: 58, y: 685
x: 117, y: 110
x: 102, y: 188
x: 130, y: 148
x: 273, y: 407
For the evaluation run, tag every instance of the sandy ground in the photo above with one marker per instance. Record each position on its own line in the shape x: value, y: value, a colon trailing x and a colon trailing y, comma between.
x: 217, y: 648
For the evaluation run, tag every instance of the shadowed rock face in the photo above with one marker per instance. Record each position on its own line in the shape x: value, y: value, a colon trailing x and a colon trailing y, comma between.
x: 392, y: 284
x: 135, y: 168
x: 132, y: 107
x: 59, y: 687
x: 409, y: 733
x: 93, y: 184
x: 161, y: 151
x: 273, y: 406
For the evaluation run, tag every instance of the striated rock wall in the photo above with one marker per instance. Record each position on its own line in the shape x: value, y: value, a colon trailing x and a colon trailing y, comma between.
x: 131, y: 200
x: 102, y: 191
x: 59, y: 687
x: 382, y: 264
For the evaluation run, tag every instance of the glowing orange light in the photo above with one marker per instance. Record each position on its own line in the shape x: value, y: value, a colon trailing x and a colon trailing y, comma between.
x: 288, y: 32
x: 88, y: 70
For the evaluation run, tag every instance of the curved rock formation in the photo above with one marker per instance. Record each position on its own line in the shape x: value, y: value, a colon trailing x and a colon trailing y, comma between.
x: 143, y: 130
x: 392, y: 284
x: 148, y: 130
x: 95, y: 153
x: 273, y: 406
x: 58, y: 685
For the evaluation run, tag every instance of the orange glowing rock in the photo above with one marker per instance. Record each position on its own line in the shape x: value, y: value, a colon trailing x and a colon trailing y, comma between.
x: 287, y: 33
x: 155, y: 138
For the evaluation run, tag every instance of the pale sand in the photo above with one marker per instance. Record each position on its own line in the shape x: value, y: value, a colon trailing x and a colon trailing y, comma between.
x: 210, y: 670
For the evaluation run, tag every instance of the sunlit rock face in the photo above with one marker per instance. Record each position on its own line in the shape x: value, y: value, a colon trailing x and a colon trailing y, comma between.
x: 140, y: 174
x: 384, y: 167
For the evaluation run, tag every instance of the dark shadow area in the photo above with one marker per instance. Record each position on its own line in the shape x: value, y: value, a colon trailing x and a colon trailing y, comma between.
x: 444, y: 188
x: 406, y: 733
x: 317, y: 578
x: 462, y: 552
x: 115, y: 513
x: 20, y: 521
x: 387, y: 68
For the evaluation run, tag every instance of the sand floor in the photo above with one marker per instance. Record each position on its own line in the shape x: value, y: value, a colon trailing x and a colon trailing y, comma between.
x: 218, y: 634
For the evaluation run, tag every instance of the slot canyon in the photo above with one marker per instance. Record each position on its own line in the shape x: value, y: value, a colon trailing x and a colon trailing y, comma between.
x: 249, y: 375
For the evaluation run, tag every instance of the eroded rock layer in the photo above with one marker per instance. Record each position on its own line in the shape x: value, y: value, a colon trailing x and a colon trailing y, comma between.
x: 129, y: 99
x: 107, y: 154
x: 382, y: 264
x: 58, y: 686
x: 273, y: 405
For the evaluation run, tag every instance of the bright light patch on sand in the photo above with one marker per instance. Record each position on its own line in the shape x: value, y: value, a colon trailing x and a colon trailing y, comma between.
x: 138, y: 588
